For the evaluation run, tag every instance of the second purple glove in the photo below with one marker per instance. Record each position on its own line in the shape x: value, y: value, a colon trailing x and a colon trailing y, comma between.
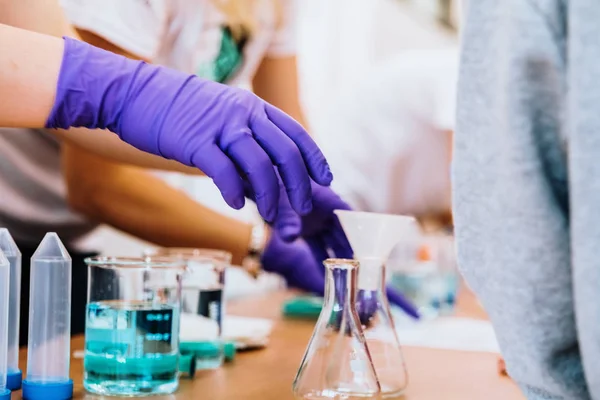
x: 295, y: 262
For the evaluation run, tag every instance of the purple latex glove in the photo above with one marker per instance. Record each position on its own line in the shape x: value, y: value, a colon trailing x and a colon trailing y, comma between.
x: 218, y: 129
x: 367, y: 303
x: 294, y: 261
x: 321, y: 221
x: 323, y: 233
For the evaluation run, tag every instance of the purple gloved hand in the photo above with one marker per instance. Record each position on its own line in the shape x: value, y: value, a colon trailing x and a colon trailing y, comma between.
x: 321, y: 223
x: 367, y: 303
x: 218, y: 129
x: 295, y: 262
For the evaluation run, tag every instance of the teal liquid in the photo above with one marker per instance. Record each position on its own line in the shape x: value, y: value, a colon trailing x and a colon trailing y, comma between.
x: 131, y: 349
x: 432, y: 292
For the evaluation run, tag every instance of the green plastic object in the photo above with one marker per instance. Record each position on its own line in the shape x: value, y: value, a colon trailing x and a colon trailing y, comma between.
x: 187, y: 365
x: 207, y: 349
x: 304, y: 307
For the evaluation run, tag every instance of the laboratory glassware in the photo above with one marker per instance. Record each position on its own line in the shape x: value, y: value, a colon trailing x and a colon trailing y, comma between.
x: 4, y: 307
x: 428, y: 276
x: 49, y: 344
x: 372, y: 237
x: 12, y: 253
x: 203, y: 285
x: 132, y: 326
x: 337, y: 363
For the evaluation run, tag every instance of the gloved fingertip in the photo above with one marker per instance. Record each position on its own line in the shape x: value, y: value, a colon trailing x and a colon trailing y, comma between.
x: 412, y: 312
x: 326, y: 176
x: 237, y: 202
x: 409, y: 309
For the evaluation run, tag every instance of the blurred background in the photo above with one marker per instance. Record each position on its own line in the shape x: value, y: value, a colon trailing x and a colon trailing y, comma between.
x: 350, y: 52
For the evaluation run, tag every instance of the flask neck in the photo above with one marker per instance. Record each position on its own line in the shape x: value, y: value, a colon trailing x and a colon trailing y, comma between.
x: 340, y: 287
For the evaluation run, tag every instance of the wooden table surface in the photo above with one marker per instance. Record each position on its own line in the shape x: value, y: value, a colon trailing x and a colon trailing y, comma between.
x: 267, y: 374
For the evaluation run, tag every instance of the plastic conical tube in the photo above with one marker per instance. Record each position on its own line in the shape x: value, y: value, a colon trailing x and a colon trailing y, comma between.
x: 49, y: 344
x: 12, y: 253
x: 4, y: 296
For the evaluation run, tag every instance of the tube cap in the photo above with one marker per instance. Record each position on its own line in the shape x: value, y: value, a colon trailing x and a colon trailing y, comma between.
x: 4, y: 394
x: 47, y: 391
x: 13, y: 380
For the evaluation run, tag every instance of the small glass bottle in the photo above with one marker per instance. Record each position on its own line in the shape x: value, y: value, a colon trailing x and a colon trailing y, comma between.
x: 202, y: 298
x: 337, y: 363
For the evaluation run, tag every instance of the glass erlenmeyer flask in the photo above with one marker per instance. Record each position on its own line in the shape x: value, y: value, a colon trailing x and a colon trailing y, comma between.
x: 378, y: 327
x: 372, y: 237
x: 337, y: 363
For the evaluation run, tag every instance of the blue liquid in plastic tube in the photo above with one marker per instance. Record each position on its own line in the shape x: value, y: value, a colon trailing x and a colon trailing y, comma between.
x: 131, y: 349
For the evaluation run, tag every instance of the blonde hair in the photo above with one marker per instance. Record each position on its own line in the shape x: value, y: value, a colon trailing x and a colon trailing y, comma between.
x: 242, y: 15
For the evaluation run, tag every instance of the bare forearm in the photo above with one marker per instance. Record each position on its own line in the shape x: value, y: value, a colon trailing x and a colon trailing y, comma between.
x: 140, y: 204
x: 108, y: 145
x: 29, y: 67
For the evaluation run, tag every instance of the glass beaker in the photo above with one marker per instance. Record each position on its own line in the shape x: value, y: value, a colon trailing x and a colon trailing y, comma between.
x: 373, y: 310
x: 203, y: 302
x: 337, y: 363
x: 428, y: 275
x: 132, y: 326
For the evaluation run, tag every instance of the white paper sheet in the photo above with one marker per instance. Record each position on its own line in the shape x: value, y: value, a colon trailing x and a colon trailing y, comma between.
x: 449, y: 333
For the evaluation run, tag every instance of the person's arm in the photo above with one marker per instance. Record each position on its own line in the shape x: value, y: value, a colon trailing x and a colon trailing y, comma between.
x: 142, y: 205
x: 110, y: 146
x: 169, y: 114
x: 29, y: 65
x: 276, y: 82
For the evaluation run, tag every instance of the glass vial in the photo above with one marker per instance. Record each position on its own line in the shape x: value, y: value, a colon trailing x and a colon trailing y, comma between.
x: 337, y: 363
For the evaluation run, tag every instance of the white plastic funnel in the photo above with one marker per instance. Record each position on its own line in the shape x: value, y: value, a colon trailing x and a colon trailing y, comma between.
x: 373, y: 235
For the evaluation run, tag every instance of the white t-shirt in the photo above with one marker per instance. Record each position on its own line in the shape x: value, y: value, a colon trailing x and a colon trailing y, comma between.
x: 186, y: 35
x: 387, y: 140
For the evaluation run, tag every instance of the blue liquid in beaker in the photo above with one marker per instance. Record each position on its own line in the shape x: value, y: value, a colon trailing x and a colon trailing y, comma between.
x: 131, y: 349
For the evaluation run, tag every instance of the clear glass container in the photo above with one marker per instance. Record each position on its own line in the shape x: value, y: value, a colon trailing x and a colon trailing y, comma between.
x: 203, y: 301
x: 337, y: 363
x: 49, y: 342
x: 427, y: 274
x: 372, y: 237
x: 132, y: 326
x: 378, y: 326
